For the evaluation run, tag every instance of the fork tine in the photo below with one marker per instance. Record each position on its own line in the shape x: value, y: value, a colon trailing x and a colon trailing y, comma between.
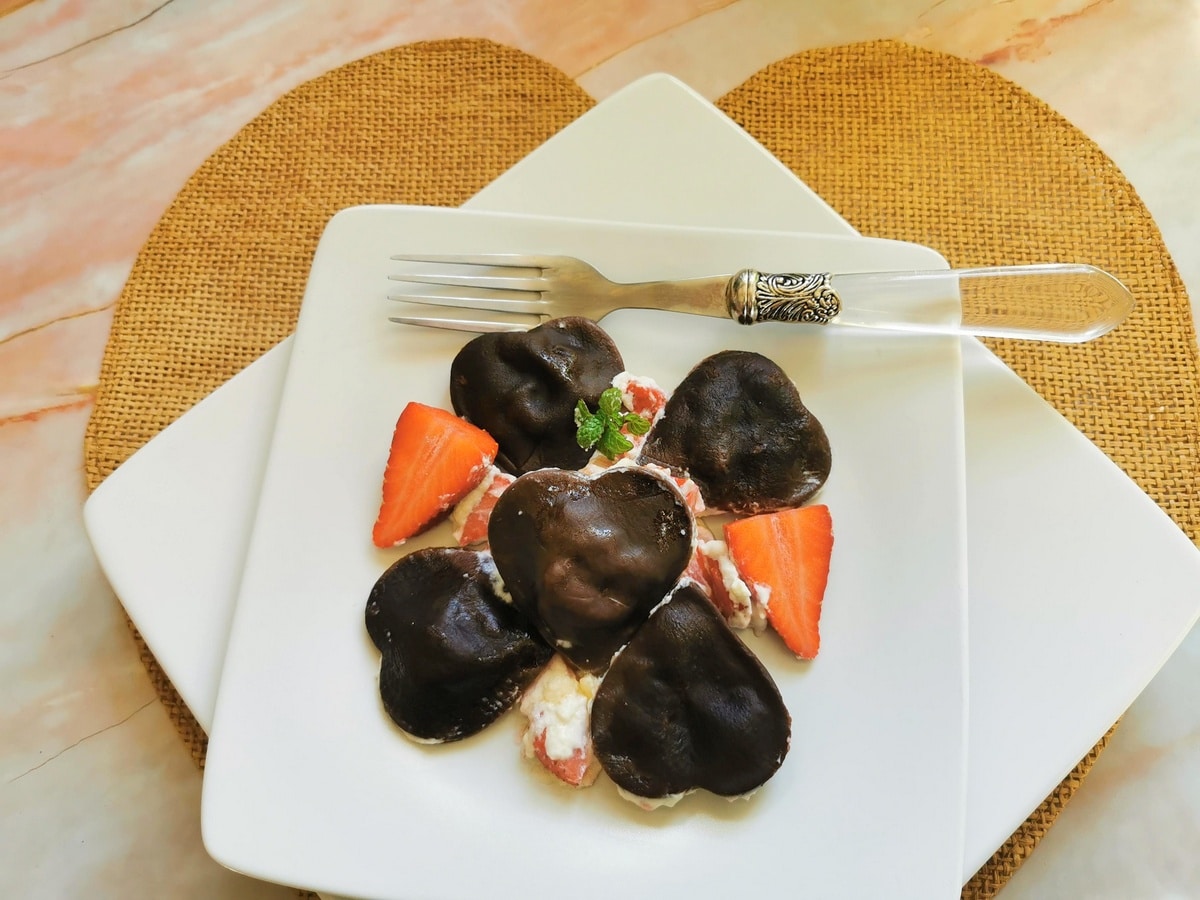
x: 480, y: 301
x: 498, y: 292
x: 452, y: 324
x: 496, y: 282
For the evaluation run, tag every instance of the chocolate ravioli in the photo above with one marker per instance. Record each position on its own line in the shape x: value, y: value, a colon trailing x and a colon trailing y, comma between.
x: 588, y: 558
x: 522, y: 389
x: 687, y: 705
x: 455, y: 655
x: 737, y: 427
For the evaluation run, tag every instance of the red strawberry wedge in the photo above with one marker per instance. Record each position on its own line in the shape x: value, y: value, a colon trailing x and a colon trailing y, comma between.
x: 784, y: 557
x: 578, y: 770
x: 472, y: 522
x: 436, y: 459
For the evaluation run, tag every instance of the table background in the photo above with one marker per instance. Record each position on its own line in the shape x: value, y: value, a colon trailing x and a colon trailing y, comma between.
x: 106, y: 108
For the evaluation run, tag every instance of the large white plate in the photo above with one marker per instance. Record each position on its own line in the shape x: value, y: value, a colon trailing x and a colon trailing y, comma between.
x: 307, y: 782
x: 1057, y: 649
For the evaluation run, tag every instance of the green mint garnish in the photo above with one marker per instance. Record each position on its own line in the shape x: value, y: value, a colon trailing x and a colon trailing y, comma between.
x: 612, y: 444
x: 590, y: 426
x: 636, y: 424
x: 602, y: 429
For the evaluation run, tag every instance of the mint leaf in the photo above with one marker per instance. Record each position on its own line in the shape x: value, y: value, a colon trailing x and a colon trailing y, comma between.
x: 590, y: 431
x: 582, y: 413
x: 612, y: 444
x: 610, y: 403
x: 602, y: 429
x: 635, y: 423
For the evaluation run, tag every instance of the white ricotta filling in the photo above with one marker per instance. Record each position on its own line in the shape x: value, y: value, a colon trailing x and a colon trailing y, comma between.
x: 559, y: 706
x: 626, y: 381
x: 735, y: 587
x: 463, y: 509
x: 493, y: 574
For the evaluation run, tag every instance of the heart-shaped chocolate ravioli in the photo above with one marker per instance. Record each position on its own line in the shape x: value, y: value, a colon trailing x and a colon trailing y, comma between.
x: 737, y: 427
x: 686, y: 705
x: 522, y: 389
x: 588, y: 558
x: 455, y: 655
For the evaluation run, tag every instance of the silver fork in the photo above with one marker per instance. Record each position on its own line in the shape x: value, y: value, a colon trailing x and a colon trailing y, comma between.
x: 1062, y: 302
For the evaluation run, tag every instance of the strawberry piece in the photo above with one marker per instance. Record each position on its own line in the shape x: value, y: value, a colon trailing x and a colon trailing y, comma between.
x: 575, y: 770
x: 784, y: 557
x: 698, y: 573
x: 473, y: 529
x: 436, y: 459
x: 641, y: 395
x: 706, y: 573
x: 715, y: 574
x: 691, y: 493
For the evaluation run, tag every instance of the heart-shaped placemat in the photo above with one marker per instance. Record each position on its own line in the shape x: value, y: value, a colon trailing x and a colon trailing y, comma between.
x: 904, y: 143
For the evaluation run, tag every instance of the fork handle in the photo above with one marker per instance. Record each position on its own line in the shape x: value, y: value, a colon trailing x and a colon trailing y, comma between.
x: 1053, y: 302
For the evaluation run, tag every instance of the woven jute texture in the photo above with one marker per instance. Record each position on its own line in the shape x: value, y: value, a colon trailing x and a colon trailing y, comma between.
x: 904, y: 143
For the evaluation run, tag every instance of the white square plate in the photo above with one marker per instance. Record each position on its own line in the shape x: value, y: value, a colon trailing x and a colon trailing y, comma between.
x: 307, y: 781
x: 1057, y: 650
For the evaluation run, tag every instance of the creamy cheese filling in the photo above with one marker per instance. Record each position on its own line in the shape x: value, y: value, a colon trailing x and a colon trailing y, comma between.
x: 735, y: 587
x: 462, y: 510
x: 559, y: 705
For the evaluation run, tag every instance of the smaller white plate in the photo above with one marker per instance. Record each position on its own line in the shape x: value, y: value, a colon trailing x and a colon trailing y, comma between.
x: 307, y: 781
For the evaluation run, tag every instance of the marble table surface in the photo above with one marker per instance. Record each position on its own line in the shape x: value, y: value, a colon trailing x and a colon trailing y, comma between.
x: 106, y: 108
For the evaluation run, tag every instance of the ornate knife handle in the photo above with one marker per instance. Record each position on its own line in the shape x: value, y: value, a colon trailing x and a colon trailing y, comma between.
x: 754, y: 296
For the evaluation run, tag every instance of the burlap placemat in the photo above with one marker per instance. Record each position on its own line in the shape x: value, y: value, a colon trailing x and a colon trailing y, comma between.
x: 905, y: 143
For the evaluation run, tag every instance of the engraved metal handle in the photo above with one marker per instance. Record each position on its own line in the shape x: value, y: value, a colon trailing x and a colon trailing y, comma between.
x: 755, y: 296
x: 1066, y: 303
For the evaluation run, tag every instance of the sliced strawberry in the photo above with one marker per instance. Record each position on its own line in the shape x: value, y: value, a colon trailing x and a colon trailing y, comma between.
x: 473, y: 529
x: 436, y: 459
x: 784, y: 557
x: 698, y: 573
x: 578, y: 770
x: 691, y: 494
x: 714, y: 572
x: 736, y: 613
x: 709, y: 577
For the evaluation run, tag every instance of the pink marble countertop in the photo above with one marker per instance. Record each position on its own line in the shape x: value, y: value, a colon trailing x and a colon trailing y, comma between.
x: 106, y: 108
